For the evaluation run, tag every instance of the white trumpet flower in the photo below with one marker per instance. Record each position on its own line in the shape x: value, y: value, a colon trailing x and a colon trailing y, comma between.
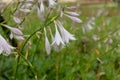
x: 55, y: 46
x: 74, y: 18
x: 20, y: 38
x: 41, y: 10
x: 17, y: 20
x: 66, y: 36
x: 5, y: 48
x: 47, y: 43
x: 52, y: 3
x: 58, y: 40
x: 16, y: 33
x: 72, y: 13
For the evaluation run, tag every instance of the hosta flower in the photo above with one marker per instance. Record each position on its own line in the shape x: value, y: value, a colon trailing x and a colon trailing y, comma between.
x: 26, y: 4
x: 47, y: 43
x: 89, y: 26
x: 17, y: 20
x: 74, y: 18
x: 90, y: 23
x: 55, y: 46
x: 72, y: 13
x: 20, y: 38
x: 66, y: 36
x: 95, y: 37
x: 52, y: 3
x: 5, y: 48
x: 58, y: 39
x: 41, y: 10
x: 16, y: 33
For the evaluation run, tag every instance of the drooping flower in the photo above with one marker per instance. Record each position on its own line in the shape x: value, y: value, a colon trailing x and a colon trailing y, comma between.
x: 100, y: 11
x: 58, y: 39
x: 5, y: 48
x: 20, y: 38
x: 52, y: 3
x: 41, y: 10
x: 74, y: 18
x: 55, y: 46
x: 89, y: 26
x: 17, y: 20
x: 66, y: 36
x: 72, y: 13
x: 95, y: 37
x: 90, y: 23
x: 47, y: 43
x: 16, y: 33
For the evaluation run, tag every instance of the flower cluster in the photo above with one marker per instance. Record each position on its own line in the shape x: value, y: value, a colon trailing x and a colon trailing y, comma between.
x: 45, y: 9
x: 62, y: 36
x: 15, y: 33
x: 5, y: 47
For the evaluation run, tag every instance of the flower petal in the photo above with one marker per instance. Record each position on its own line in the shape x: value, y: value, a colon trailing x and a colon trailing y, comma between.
x: 58, y: 38
x: 17, y: 20
x: 75, y: 19
x: 66, y: 36
x: 5, y: 48
x: 47, y: 44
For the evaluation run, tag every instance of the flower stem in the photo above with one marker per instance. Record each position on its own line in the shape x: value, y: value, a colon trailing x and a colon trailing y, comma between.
x: 21, y: 51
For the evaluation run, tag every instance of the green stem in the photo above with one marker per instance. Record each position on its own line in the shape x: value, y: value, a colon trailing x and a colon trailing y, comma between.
x: 37, y: 46
x: 21, y: 51
x: 20, y: 54
x: 41, y: 35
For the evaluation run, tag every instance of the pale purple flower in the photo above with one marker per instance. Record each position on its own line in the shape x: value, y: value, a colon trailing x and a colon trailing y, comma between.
x: 41, y: 7
x: 20, y: 38
x: 52, y: 3
x: 55, y: 46
x: 47, y: 43
x: 95, y: 37
x: 17, y: 20
x: 90, y: 23
x: 75, y: 19
x: 15, y: 32
x: 89, y: 27
x: 58, y: 39
x: 5, y: 48
x: 26, y: 4
x: 41, y: 10
x: 72, y: 13
x: 66, y: 36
